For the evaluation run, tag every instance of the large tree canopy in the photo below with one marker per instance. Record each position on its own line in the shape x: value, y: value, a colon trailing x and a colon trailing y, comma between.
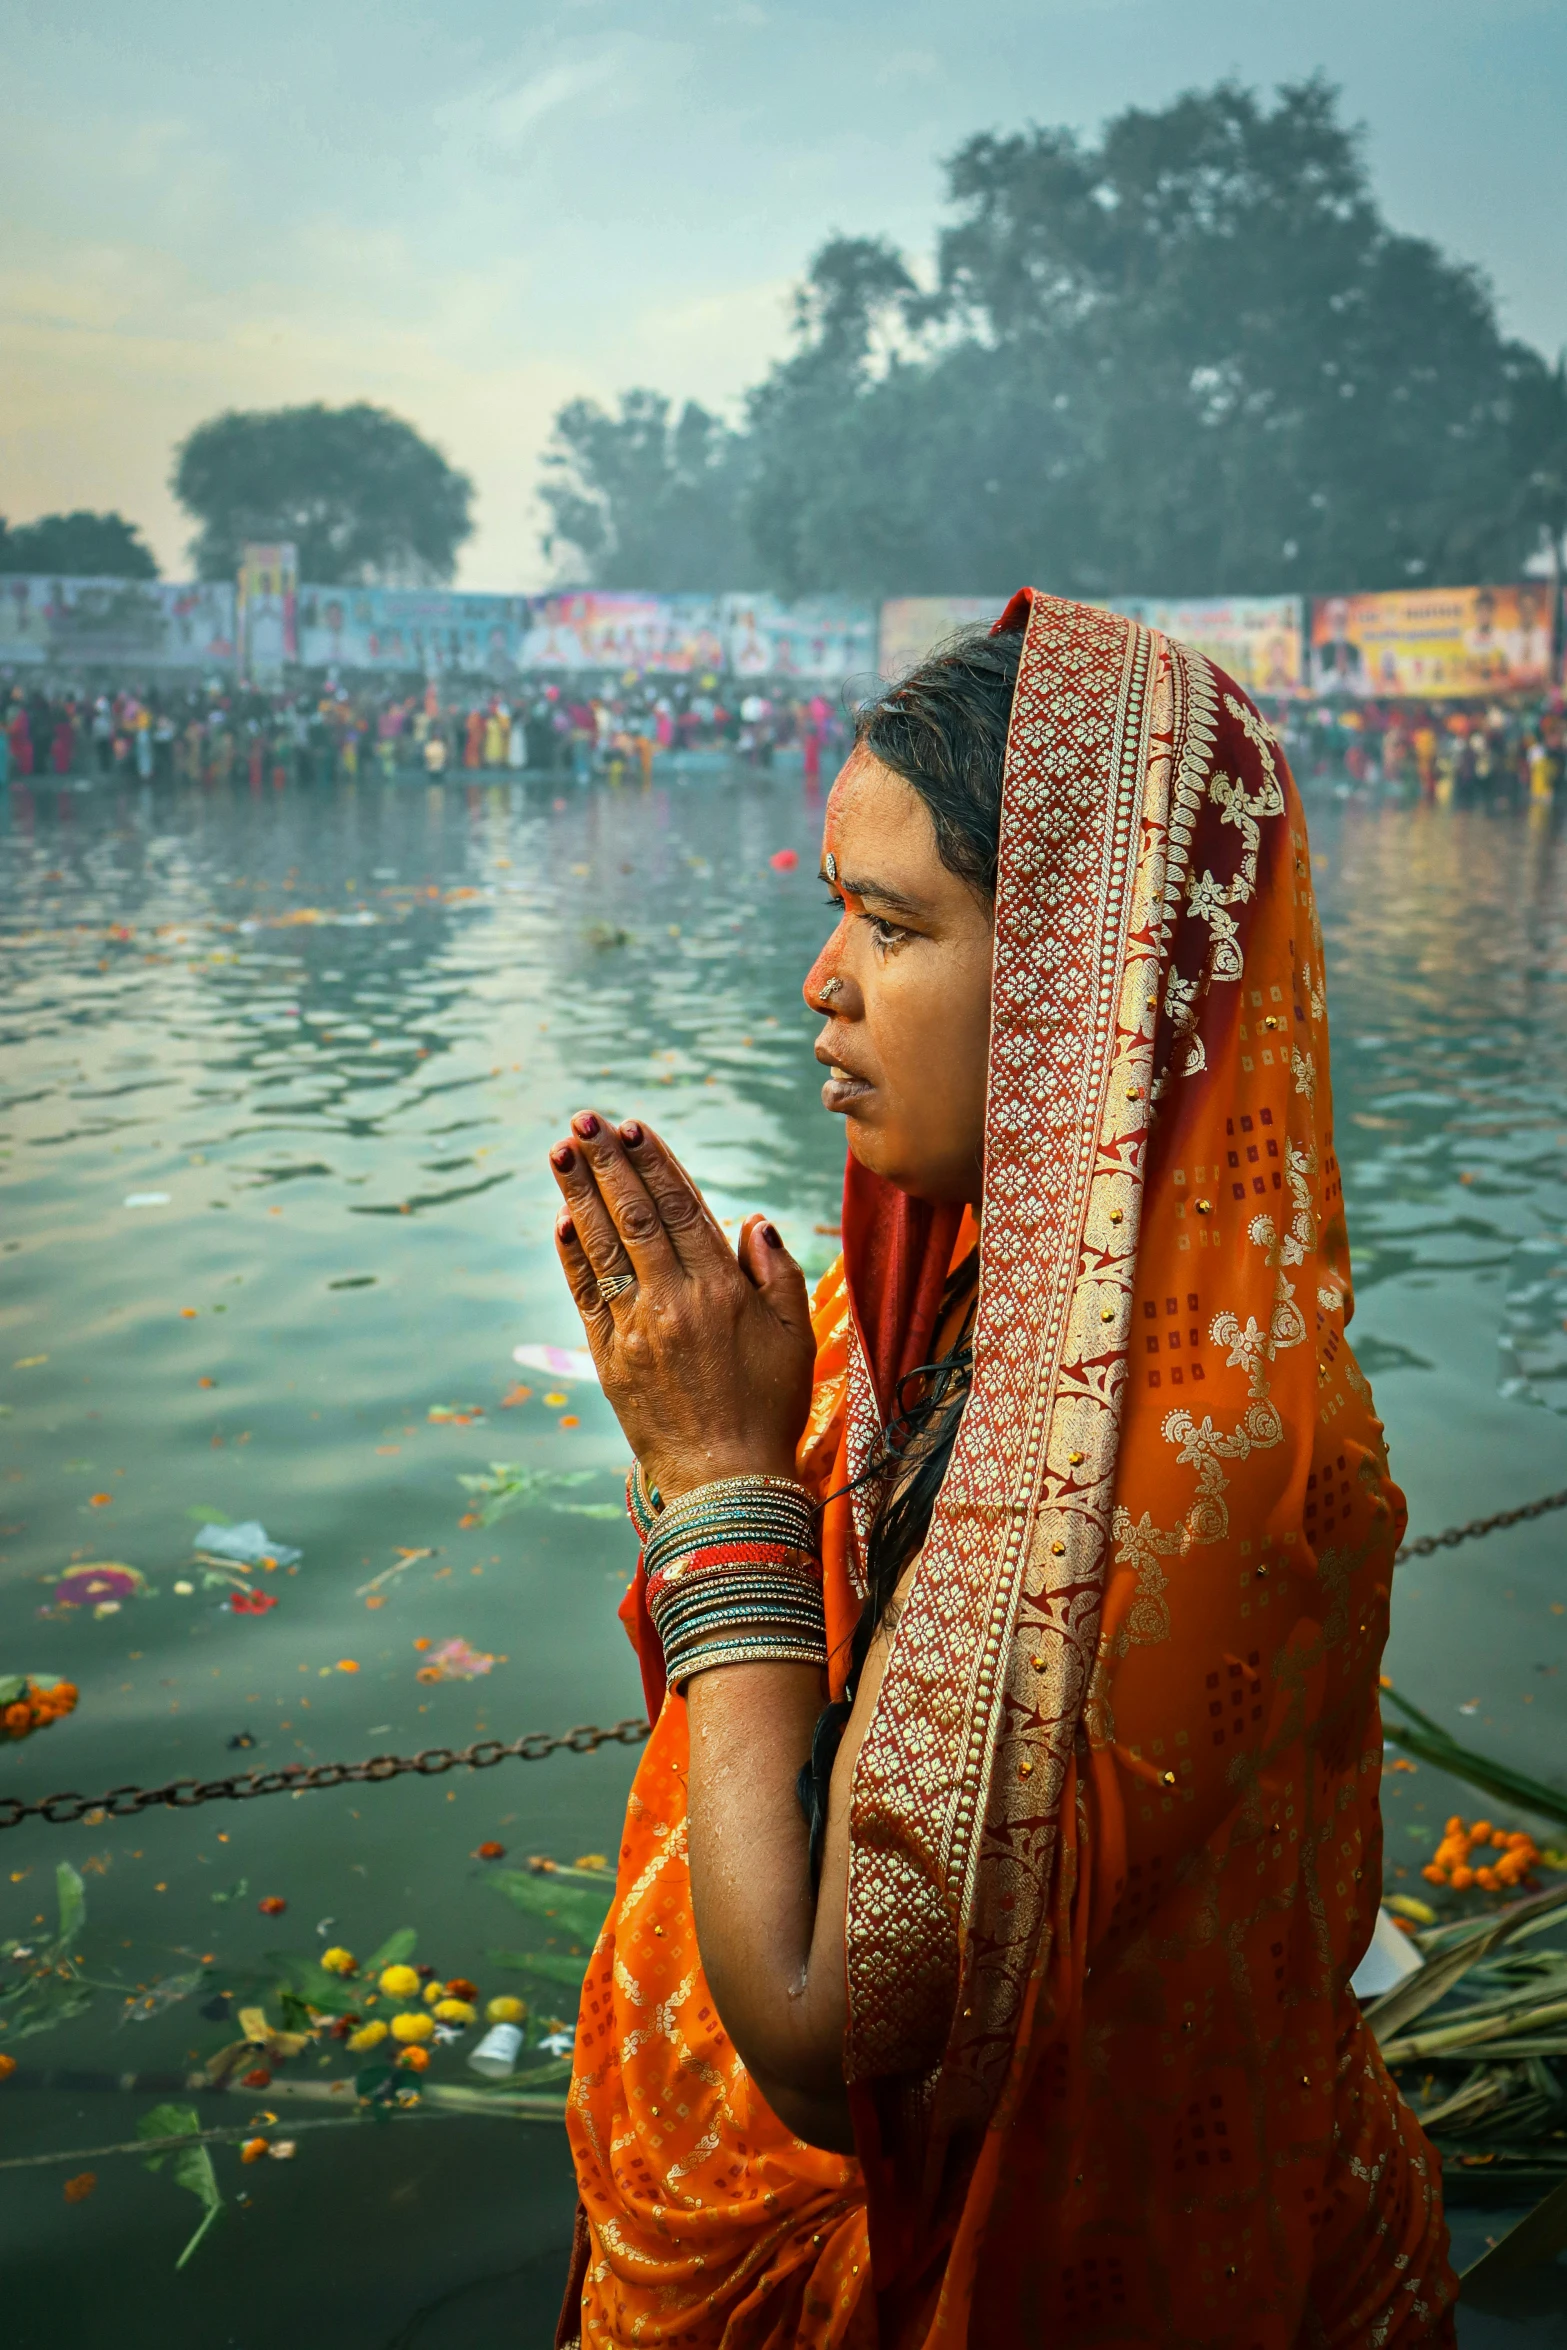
x: 88, y: 546
x: 364, y: 498
x: 1188, y: 358
x: 643, y: 498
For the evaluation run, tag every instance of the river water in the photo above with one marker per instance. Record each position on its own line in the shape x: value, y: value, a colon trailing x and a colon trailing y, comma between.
x: 322, y: 1039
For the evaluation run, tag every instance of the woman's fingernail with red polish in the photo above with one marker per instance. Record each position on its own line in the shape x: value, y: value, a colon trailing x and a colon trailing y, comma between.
x: 585, y: 1124
x: 564, y: 1228
x: 563, y: 1158
x: 631, y: 1134
x: 772, y: 1236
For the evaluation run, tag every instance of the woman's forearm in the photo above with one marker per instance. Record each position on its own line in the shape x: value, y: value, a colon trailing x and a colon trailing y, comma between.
x: 774, y: 1967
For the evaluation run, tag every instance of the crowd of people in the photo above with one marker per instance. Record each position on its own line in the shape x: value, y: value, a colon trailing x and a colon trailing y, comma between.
x: 335, y: 730
x: 1500, y: 753
x: 620, y: 728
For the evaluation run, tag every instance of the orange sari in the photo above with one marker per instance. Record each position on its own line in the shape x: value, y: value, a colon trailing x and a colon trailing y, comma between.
x: 1115, y: 1839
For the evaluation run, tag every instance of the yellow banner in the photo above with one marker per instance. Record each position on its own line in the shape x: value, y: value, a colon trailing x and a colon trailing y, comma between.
x: 1433, y: 644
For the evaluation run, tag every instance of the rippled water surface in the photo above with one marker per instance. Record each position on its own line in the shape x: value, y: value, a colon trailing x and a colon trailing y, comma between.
x: 324, y: 1039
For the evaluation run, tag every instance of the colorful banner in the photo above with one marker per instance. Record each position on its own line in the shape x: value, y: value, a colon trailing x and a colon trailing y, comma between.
x: 823, y: 638
x: 268, y: 609
x: 436, y: 632
x: 1433, y: 644
x: 131, y: 624
x: 1258, y: 640
x: 912, y: 625
x: 599, y: 628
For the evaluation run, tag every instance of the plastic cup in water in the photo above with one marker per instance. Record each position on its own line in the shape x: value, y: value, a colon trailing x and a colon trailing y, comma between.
x: 496, y: 2054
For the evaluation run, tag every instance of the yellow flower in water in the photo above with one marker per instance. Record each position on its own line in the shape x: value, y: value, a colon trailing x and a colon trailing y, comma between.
x: 412, y: 2027
x: 367, y: 2036
x: 400, y: 1981
x: 506, y: 2010
x: 591, y: 1860
x: 434, y: 1990
x: 455, y: 2011
x: 339, y: 1962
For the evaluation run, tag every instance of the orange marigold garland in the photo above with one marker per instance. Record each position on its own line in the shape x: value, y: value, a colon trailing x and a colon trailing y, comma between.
x: 31, y: 1701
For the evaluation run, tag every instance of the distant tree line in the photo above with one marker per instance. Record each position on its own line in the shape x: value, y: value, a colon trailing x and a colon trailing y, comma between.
x: 83, y: 545
x: 1188, y: 358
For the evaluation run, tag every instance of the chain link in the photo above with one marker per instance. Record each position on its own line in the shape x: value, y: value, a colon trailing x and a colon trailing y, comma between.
x: 124, y: 1803
x: 1452, y: 1536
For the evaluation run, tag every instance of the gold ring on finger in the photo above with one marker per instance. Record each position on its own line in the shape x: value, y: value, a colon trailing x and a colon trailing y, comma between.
x: 616, y: 1286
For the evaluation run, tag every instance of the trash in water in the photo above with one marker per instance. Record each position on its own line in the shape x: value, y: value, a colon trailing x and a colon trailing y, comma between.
x: 245, y: 1545
x: 454, y: 1660
x: 32, y: 1701
x: 404, y: 1559
x: 241, y: 1739
x: 146, y: 1199
x: 557, y: 2043
x: 560, y: 1362
x: 456, y: 1414
x: 98, y: 1582
x: 496, y: 2054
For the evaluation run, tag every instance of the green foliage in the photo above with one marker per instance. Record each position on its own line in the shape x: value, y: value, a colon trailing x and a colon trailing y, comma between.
x: 191, y: 2166
x: 508, y: 1485
x: 546, y: 1966
x: 51, y: 1989
x: 81, y: 545
x: 1426, y: 1738
x: 361, y: 494
x: 1189, y: 357
x: 396, y: 1950
x: 646, y: 499
x: 573, y: 1912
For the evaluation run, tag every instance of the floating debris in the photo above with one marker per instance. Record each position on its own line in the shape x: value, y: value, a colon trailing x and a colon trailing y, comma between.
x: 245, y: 1545
x: 454, y: 1660
x: 559, y: 1362
x: 34, y: 1701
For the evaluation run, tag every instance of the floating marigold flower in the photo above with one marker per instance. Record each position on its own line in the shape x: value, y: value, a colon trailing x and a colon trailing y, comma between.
x: 338, y: 1961
x: 7, y: 2067
x: 78, y: 2189
x: 421, y: 1643
x: 272, y: 1905
x: 368, y: 2036
x: 346, y: 1664
x: 400, y: 1982
x: 257, y: 2078
x: 18, y: 1719
x: 460, y: 1988
x: 101, y: 1501
x: 413, y: 2026
x: 253, y: 2149
x: 490, y: 1850
x: 505, y: 2008
x: 455, y: 2011
x: 414, y: 2058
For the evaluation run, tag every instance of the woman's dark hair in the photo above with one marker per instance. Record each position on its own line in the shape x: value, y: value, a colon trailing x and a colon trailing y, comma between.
x: 943, y: 728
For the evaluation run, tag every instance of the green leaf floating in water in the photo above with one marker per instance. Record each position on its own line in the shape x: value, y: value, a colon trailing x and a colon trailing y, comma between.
x: 191, y: 2165
x: 550, y: 1966
x: 509, y: 1485
x: 574, y: 1912
x: 1418, y: 1734
x: 396, y: 1950
x: 52, y: 1989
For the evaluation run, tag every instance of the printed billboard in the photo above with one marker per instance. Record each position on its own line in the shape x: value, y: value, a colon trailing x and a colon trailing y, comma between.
x: 821, y: 638
x: 604, y: 628
x: 1258, y: 640
x: 267, y: 609
x: 433, y: 631
x: 911, y: 625
x: 134, y: 624
x: 1433, y: 644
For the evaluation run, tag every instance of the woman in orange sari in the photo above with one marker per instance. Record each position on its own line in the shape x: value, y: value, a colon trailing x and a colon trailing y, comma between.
x: 1026, y: 2017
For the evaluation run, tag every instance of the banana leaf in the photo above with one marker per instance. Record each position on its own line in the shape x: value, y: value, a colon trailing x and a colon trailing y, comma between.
x: 574, y: 1911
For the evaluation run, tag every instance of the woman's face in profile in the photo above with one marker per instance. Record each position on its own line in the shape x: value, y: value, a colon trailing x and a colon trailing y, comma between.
x: 904, y: 982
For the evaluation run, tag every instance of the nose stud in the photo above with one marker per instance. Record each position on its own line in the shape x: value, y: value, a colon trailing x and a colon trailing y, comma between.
x: 828, y: 989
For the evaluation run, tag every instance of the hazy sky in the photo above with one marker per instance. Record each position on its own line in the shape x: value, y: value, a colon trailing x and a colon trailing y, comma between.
x: 472, y: 212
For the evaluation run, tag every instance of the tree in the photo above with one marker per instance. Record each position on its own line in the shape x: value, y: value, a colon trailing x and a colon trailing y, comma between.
x: 363, y: 496
x: 1187, y: 357
x: 645, y: 499
x: 87, y: 546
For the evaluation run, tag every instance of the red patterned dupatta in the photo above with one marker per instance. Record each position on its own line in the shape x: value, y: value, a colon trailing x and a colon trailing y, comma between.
x: 1055, y: 1726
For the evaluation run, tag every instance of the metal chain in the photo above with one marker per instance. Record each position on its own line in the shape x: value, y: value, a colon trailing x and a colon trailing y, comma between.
x: 123, y: 1803
x: 1452, y: 1536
